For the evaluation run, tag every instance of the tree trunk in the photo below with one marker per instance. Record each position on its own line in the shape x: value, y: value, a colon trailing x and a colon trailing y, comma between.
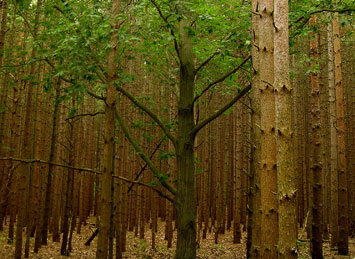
x: 286, y: 179
x: 343, y: 217
x: 47, y: 201
x: 24, y: 180
x: 255, y: 136
x: 185, y: 198
x: 316, y: 162
x: 268, y: 173
x: 333, y: 143
x: 108, y: 145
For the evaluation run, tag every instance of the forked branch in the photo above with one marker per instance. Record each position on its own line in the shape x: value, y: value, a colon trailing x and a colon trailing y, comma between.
x: 203, y: 123
x: 149, y: 112
x: 221, y: 79
x: 31, y: 161
x: 140, y: 152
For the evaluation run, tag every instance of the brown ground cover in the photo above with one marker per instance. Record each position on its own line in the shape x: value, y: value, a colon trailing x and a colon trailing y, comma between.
x: 141, y: 249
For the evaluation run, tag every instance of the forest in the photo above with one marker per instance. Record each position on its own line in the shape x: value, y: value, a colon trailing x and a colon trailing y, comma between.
x: 177, y: 129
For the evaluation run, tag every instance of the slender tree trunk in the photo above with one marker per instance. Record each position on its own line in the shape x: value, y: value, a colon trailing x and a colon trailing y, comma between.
x: 237, y: 235
x: 333, y: 143
x: 108, y: 145
x: 255, y: 149
x: 343, y: 210
x: 47, y: 199
x: 24, y: 180
x: 316, y: 162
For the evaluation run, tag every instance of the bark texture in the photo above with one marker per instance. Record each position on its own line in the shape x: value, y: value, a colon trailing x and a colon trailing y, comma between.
x: 343, y: 216
x: 108, y: 143
x: 315, y: 150
x: 268, y: 173
x: 285, y: 165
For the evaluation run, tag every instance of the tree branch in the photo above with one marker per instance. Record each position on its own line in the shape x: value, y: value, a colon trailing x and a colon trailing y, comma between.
x: 203, y: 123
x: 145, y: 185
x: 85, y: 114
x: 204, y: 63
x: 221, y: 79
x: 320, y: 11
x: 140, y: 152
x: 170, y: 27
x: 49, y: 163
x: 149, y: 112
x: 145, y: 166
x: 86, y: 170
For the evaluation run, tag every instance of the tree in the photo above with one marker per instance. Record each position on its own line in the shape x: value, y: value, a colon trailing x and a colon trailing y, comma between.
x: 286, y: 180
x: 268, y: 169
x: 109, y: 133
x: 333, y: 142
x: 315, y: 150
x: 343, y: 209
x: 255, y: 136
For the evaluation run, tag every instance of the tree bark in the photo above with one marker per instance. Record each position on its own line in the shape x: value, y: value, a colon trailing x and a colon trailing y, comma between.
x: 185, y: 198
x: 108, y: 145
x: 255, y: 204
x: 343, y: 212
x: 316, y: 149
x: 268, y: 172
x: 285, y: 165
x: 333, y: 143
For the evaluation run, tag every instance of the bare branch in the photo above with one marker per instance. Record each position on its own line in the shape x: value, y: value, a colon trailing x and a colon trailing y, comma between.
x: 49, y: 163
x: 145, y: 185
x: 145, y: 166
x: 85, y: 114
x: 86, y: 170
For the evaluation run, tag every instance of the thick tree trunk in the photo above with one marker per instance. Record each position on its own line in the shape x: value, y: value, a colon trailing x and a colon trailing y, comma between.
x: 268, y: 172
x: 285, y: 165
x: 185, y: 198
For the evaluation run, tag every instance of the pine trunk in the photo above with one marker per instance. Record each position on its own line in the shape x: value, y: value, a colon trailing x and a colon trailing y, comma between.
x: 343, y: 216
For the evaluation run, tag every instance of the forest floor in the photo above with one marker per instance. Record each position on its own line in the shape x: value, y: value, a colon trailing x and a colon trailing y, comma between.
x: 141, y: 249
